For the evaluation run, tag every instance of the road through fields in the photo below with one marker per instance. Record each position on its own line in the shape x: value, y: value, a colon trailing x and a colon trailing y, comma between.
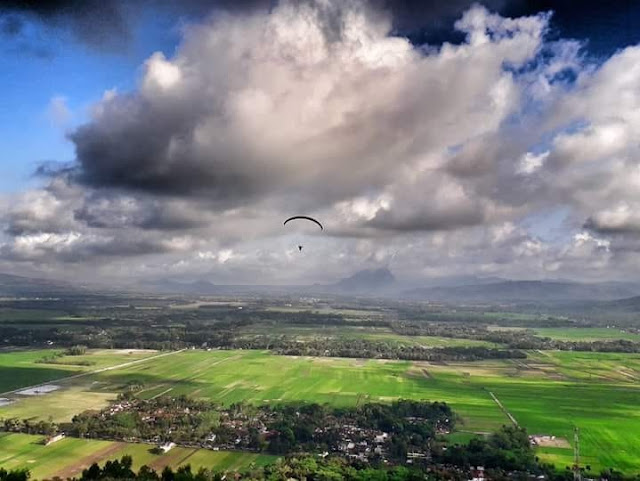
x: 504, y: 410
x: 89, y: 373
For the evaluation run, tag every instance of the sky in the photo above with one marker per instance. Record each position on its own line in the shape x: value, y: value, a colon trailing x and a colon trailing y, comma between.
x: 149, y: 140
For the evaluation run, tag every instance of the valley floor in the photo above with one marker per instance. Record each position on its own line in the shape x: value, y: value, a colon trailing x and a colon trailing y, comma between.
x: 549, y: 393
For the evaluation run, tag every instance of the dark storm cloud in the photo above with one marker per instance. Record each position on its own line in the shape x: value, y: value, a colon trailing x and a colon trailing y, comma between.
x: 105, y: 24
x: 604, y: 26
x: 431, y: 21
x: 11, y: 25
x: 629, y: 226
x: 70, y: 250
x: 142, y: 161
x: 114, y: 211
x: 120, y: 247
x: 98, y: 23
x: 427, y: 221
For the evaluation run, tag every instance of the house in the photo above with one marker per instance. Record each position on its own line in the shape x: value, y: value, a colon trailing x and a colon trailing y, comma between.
x: 477, y: 474
x: 53, y: 439
x: 381, y: 438
x: 166, y: 447
x: 211, y: 438
x: 416, y: 455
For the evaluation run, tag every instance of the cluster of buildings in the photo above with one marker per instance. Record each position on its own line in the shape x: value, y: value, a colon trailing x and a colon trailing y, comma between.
x: 353, y: 441
x: 254, y: 430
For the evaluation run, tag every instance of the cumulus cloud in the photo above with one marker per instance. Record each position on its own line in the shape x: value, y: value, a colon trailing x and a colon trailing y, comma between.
x: 259, y: 106
x: 425, y: 159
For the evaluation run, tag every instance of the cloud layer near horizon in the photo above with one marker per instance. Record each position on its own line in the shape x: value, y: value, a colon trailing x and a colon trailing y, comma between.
x: 434, y: 161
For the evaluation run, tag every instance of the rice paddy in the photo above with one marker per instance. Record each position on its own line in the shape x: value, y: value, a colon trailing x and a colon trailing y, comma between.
x: 68, y: 457
x: 549, y: 393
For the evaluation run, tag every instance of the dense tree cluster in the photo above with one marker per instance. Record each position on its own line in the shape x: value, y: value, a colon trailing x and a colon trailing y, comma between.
x: 305, y: 467
x: 125, y: 326
x: 369, y: 349
x: 14, y: 475
x: 508, y: 449
x: 369, y: 431
x: 77, y: 350
x: 29, y: 426
x: 513, y: 339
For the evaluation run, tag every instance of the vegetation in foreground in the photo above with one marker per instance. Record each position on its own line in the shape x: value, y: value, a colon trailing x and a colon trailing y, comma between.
x: 505, y: 455
x: 384, y: 432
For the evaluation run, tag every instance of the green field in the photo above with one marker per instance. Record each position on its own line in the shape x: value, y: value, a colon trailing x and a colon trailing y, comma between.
x: 370, y: 333
x: 20, y: 368
x: 347, y: 312
x: 548, y: 393
x: 585, y: 333
x: 34, y: 315
x: 68, y: 457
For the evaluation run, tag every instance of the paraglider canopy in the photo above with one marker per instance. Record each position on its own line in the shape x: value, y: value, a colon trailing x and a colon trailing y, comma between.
x: 304, y: 217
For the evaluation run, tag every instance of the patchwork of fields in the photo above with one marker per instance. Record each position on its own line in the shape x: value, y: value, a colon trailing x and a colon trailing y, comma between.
x: 68, y: 457
x: 548, y: 393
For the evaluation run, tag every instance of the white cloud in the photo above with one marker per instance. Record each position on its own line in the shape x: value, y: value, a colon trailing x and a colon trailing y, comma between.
x: 58, y: 111
x: 529, y: 163
x: 159, y: 74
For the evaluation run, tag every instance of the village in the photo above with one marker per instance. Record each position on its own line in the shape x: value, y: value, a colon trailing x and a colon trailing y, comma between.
x: 375, y: 435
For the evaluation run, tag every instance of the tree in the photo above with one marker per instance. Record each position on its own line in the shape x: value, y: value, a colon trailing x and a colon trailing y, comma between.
x: 147, y: 474
x: 167, y: 474
x: 93, y: 472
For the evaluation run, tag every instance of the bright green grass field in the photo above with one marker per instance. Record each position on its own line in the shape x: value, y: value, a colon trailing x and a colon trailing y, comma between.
x: 548, y: 393
x: 68, y: 457
x: 20, y: 368
x: 255, y: 376
x: 585, y: 334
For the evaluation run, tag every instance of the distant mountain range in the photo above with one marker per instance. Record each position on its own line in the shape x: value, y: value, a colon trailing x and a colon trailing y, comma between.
x: 372, y: 281
x: 19, y: 286
x: 366, y: 280
x: 527, y: 291
x: 380, y: 282
x: 630, y: 304
x: 168, y: 286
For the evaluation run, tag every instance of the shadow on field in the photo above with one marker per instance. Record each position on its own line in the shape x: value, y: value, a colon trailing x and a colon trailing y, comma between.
x: 140, y: 382
x: 16, y: 377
